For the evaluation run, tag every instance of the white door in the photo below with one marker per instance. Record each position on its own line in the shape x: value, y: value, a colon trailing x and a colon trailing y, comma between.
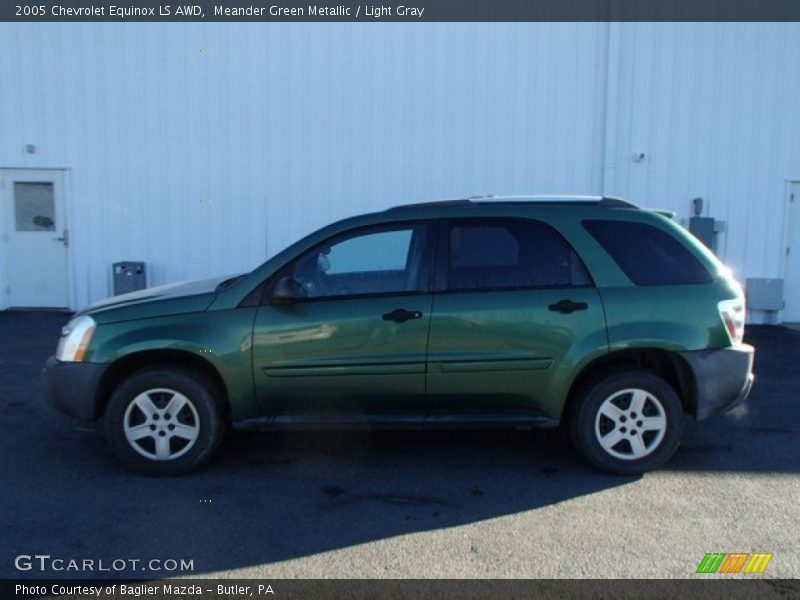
x: 791, y: 283
x: 34, y: 238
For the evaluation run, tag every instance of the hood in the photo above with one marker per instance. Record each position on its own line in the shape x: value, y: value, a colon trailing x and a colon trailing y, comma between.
x: 185, y: 296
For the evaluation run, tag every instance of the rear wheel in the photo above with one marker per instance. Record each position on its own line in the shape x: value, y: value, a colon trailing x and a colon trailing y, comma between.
x: 164, y: 421
x: 627, y: 422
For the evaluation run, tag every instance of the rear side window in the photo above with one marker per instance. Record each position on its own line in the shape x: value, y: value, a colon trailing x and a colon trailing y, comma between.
x: 648, y: 255
x: 501, y: 254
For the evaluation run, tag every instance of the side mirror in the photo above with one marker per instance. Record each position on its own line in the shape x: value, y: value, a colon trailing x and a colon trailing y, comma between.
x: 285, y: 291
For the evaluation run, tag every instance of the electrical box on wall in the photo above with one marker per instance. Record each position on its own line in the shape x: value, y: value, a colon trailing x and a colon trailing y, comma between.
x: 704, y: 229
x: 764, y: 294
x: 129, y: 277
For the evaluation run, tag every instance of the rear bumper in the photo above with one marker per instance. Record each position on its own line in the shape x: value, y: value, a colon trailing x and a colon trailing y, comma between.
x: 724, y: 378
x: 72, y: 387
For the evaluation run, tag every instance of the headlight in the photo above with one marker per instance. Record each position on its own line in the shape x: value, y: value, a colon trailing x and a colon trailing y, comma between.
x: 75, y: 339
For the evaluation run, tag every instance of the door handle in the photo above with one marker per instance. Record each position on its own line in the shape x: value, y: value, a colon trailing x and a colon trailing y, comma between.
x: 401, y: 315
x: 567, y: 306
x: 64, y: 238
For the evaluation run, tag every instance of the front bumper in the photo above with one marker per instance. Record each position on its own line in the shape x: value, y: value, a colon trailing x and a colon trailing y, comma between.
x: 72, y: 387
x: 723, y: 378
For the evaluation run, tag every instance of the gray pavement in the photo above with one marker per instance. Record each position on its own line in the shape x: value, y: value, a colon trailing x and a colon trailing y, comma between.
x: 400, y: 504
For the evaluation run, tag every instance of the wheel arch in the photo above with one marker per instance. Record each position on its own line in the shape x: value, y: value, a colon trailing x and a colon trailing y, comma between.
x: 126, y: 365
x: 668, y: 365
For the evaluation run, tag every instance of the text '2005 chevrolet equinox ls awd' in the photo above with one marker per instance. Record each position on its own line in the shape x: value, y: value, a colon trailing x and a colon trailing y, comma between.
x: 589, y: 312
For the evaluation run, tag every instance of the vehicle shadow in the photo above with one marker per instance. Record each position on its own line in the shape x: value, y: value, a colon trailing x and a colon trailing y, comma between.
x: 271, y: 497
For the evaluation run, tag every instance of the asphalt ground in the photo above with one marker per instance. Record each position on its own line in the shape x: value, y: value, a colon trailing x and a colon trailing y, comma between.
x: 399, y: 504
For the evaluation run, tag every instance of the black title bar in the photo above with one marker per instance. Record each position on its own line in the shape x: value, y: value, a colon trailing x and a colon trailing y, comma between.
x: 396, y: 589
x: 410, y: 11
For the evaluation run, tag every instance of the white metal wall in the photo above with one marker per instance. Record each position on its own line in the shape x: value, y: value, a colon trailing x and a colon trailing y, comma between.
x: 715, y: 108
x: 203, y: 148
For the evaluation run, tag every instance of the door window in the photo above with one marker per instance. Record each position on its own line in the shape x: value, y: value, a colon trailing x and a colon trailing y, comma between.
x: 502, y: 254
x: 367, y: 262
x: 34, y: 206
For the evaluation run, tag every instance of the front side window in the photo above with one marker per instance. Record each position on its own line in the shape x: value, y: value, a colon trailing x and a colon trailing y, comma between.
x: 498, y: 254
x: 366, y: 262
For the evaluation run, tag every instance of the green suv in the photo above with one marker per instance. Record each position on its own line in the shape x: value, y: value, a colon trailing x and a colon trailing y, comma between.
x: 496, y: 312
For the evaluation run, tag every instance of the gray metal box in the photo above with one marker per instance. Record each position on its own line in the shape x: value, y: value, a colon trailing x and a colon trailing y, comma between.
x: 703, y: 229
x: 764, y: 294
x: 129, y: 277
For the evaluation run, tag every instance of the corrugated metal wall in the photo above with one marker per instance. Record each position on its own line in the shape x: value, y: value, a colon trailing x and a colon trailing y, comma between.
x: 715, y: 107
x: 203, y: 148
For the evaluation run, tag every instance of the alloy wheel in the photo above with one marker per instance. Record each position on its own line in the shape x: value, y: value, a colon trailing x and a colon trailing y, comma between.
x: 161, y: 424
x: 630, y: 424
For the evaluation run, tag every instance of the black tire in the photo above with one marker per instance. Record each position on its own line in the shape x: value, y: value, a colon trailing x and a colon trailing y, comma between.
x: 200, y: 415
x: 587, y: 425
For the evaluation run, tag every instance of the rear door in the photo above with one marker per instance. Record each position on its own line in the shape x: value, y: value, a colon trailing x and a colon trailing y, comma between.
x: 353, y: 346
x: 513, y: 310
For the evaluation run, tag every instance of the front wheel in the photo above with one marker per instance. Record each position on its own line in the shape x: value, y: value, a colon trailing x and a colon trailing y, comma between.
x: 164, y: 421
x: 628, y: 422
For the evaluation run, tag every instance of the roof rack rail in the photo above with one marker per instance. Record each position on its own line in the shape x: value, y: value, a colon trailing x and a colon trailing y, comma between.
x: 604, y: 201
x: 613, y: 202
x: 535, y: 198
x: 462, y: 202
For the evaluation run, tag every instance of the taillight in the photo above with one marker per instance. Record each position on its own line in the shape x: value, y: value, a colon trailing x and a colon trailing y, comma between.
x: 732, y: 314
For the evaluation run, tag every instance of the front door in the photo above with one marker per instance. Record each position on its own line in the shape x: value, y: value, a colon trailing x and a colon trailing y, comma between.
x: 352, y: 343
x: 513, y: 303
x: 34, y: 236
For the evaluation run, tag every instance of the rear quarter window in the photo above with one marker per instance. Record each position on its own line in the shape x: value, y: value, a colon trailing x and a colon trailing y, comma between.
x: 648, y: 255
